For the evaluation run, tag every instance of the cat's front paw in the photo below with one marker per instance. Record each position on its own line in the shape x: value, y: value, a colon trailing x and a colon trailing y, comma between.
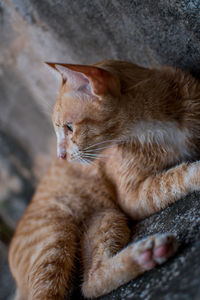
x: 155, y: 250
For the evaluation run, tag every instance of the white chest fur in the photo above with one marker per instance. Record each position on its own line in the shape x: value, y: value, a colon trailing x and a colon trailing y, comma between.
x: 164, y: 134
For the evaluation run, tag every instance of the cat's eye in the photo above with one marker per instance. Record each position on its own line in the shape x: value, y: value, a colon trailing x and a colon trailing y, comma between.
x: 69, y: 127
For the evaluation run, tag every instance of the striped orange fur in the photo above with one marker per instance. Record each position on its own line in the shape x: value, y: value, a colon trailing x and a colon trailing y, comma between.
x: 129, y: 139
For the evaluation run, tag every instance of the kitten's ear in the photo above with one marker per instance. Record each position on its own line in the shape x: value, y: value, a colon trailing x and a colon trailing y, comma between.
x: 51, y: 65
x: 98, y: 80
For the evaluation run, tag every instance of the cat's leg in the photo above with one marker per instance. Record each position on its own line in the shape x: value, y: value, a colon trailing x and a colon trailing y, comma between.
x: 105, y: 268
x: 42, y: 253
x: 159, y: 190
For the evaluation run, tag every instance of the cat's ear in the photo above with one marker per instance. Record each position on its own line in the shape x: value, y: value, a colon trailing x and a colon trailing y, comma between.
x: 97, y: 80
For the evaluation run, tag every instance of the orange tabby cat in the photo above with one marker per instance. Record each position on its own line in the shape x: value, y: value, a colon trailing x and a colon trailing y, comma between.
x: 133, y: 135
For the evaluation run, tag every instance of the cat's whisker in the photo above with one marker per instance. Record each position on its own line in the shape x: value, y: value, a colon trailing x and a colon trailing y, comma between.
x: 78, y: 156
x: 88, y: 158
x: 80, y: 159
x: 92, y: 162
x: 94, y: 154
x: 92, y: 159
x: 97, y: 149
x: 84, y: 160
x: 107, y: 141
x: 105, y: 147
x: 96, y: 144
x: 88, y: 161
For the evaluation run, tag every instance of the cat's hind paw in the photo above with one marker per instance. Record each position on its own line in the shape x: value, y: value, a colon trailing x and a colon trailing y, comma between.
x: 155, y: 250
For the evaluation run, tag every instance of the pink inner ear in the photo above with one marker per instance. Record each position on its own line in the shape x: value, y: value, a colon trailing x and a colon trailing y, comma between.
x: 74, y: 79
x: 85, y: 88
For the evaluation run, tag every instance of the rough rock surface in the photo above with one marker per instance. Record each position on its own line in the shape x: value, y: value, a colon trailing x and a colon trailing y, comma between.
x: 145, y: 32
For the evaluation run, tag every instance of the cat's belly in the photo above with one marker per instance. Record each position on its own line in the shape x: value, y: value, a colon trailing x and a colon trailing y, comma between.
x: 75, y: 189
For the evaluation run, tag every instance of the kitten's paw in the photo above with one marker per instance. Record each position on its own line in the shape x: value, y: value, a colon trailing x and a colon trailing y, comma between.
x: 155, y: 250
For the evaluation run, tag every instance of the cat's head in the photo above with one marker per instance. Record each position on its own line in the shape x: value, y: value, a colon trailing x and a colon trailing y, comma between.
x: 85, y: 115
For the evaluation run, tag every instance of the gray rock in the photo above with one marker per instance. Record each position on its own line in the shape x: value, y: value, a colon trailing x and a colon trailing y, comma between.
x: 145, y: 32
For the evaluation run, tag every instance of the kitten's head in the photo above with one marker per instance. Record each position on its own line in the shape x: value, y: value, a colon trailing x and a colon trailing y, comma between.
x: 85, y: 115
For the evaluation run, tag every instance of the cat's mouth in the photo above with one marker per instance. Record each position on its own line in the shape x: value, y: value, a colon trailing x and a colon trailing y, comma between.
x: 64, y: 152
x: 63, y: 156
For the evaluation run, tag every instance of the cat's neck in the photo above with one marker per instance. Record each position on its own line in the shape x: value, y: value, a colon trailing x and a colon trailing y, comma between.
x: 165, y: 134
x: 150, y: 139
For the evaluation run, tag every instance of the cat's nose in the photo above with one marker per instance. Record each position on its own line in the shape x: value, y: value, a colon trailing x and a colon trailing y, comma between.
x: 61, y: 149
x: 61, y: 153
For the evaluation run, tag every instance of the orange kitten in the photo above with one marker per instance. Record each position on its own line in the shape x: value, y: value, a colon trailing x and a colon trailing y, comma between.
x: 133, y: 136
